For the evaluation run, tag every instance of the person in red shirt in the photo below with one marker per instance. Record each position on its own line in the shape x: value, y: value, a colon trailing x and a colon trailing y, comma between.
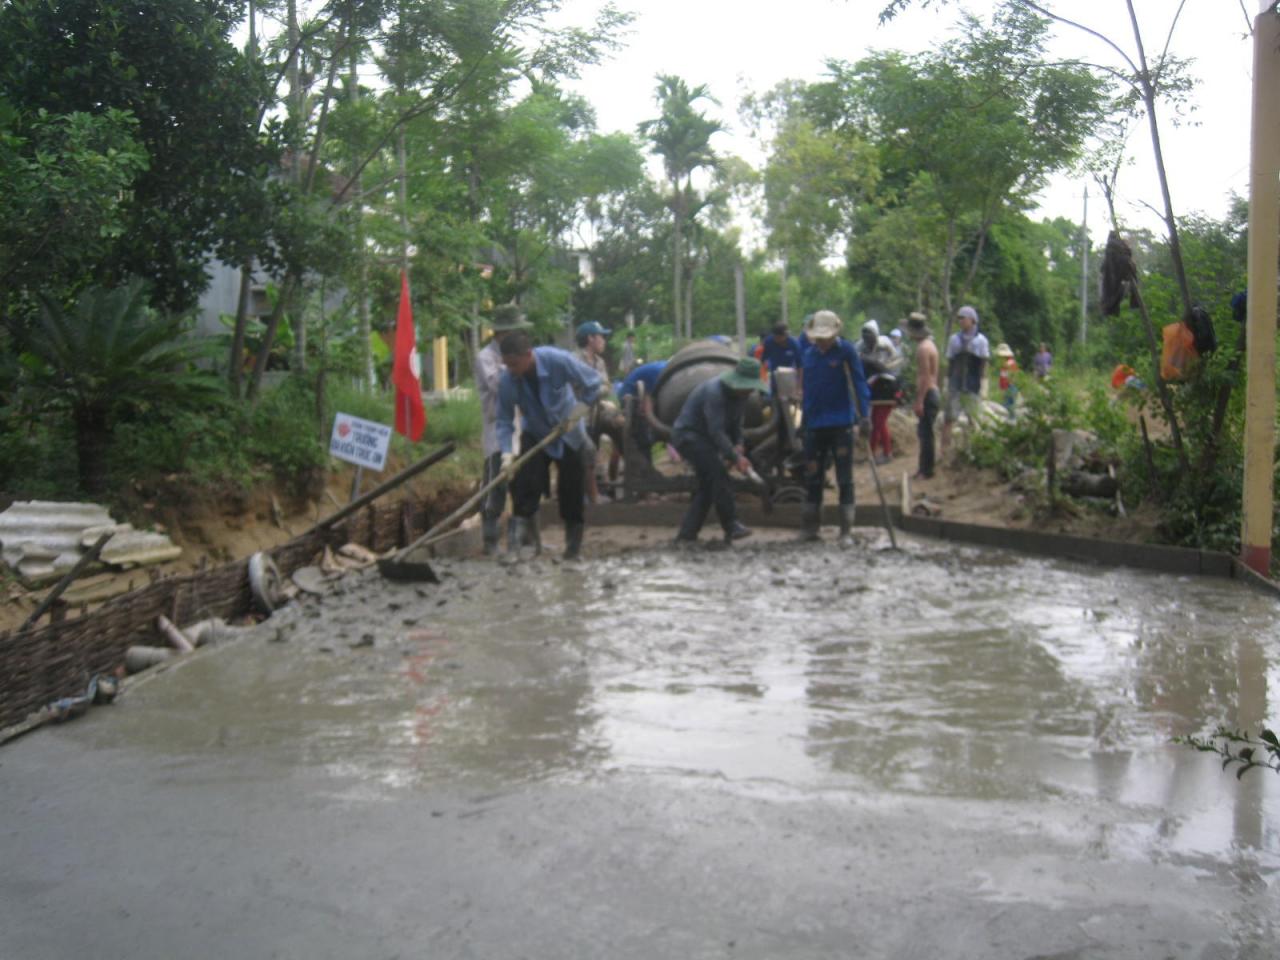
x: 1008, y: 367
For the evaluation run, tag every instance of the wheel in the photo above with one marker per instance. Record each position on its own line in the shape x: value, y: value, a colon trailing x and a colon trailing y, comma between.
x: 265, y: 582
x: 789, y: 494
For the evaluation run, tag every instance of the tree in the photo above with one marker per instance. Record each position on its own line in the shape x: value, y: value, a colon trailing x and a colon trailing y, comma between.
x: 107, y: 357
x: 972, y: 129
x: 814, y: 178
x: 193, y: 99
x: 681, y: 136
x: 67, y: 179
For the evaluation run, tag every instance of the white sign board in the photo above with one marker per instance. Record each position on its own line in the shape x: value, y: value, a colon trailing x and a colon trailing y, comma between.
x: 361, y: 442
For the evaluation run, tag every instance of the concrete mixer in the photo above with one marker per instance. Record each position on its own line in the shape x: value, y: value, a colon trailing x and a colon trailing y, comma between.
x: 769, y: 426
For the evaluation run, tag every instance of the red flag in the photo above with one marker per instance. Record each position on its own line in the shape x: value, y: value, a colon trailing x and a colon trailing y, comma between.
x: 406, y: 371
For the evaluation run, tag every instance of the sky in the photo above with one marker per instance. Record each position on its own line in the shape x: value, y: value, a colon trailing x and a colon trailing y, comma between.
x: 735, y: 47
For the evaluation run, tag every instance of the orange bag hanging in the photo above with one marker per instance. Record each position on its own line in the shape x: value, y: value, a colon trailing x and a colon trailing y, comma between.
x: 1179, y: 351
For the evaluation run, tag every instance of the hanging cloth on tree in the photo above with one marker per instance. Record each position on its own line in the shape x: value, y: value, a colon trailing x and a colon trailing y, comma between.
x: 1119, y: 276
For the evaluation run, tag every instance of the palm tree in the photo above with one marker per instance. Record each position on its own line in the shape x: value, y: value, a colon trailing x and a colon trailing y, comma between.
x: 108, y: 356
x: 682, y: 137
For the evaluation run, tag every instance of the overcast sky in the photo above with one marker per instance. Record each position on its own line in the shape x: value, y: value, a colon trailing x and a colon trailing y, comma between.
x: 734, y: 47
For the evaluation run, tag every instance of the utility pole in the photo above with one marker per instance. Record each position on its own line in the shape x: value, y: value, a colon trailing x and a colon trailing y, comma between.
x: 1264, y: 247
x: 784, y: 289
x: 1084, y: 269
x: 740, y: 308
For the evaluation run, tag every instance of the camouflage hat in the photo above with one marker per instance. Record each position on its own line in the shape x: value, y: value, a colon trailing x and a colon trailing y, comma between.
x: 508, y: 316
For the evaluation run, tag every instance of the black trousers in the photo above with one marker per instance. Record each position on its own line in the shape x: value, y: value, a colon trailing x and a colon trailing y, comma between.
x: 533, y: 482
x: 713, y: 486
x: 823, y: 444
x: 924, y: 431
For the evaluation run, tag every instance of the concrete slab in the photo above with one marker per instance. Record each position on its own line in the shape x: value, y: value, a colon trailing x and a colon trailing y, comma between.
x: 778, y: 750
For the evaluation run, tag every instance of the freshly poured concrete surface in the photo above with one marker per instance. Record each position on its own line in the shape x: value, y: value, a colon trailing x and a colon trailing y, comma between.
x: 780, y: 751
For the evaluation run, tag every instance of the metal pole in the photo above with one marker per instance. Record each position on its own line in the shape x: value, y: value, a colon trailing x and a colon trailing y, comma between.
x: 784, y: 290
x: 740, y: 307
x: 1264, y: 247
x: 1084, y: 269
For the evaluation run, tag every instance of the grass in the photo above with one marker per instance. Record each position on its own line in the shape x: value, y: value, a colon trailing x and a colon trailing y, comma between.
x: 228, y: 445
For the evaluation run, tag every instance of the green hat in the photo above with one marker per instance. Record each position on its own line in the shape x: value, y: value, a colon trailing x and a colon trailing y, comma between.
x: 508, y: 316
x: 745, y: 376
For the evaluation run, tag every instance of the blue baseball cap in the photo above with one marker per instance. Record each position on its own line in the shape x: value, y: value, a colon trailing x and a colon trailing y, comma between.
x: 590, y: 327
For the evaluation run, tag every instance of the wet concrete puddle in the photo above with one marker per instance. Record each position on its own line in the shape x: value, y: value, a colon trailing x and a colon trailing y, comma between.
x: 778, y: 751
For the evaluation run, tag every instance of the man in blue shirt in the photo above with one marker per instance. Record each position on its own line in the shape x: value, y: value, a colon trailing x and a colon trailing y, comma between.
x: 708, y: 434
x: 836, y: 396
x: 781, y: 349
x: 647, y: 374
x: 546, y: 383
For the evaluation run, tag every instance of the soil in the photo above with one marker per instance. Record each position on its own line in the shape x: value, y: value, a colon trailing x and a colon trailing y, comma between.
x: 217, y: 528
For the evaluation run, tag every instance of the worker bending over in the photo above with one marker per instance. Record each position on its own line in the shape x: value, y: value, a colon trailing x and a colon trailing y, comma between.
x: 836, y: 397
x: 547, y: 384
x: 708, y: 435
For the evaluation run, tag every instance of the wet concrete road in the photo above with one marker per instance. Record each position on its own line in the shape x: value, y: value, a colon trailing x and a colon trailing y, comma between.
x: 780, y: 752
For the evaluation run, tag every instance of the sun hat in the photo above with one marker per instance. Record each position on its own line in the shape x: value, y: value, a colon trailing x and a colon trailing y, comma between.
x: 826, y: 324
x: 895, y: 333
x: 1004, y: 350
x: 508, y: 316
x: 590, y: 327
x: 745, y: 376
x: 917, y: 326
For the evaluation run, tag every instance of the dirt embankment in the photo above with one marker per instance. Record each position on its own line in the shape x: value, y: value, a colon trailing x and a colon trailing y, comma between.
x: 215, y: 527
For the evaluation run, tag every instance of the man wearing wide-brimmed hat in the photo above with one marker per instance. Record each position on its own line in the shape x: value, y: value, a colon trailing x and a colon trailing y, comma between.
x: 836, y: 396
x: 708, y: 435
x: 488, y: 369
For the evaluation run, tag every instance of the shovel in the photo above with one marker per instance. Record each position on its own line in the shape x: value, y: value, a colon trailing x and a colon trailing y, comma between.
x: 399, y: 567
x: 875, y: 474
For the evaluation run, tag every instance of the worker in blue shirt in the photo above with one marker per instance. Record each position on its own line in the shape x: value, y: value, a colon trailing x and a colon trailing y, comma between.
x: 646, y: 374
x: 547, y: 384
x: 836, y: 397
x: 780, y: 349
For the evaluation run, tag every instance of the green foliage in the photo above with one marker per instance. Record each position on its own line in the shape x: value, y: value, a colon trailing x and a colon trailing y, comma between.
x: 1237, y: 747
x: 458, y: 420
x: 108, y: 358
x: 193, y: 102
x: 965, y: 135
x: 67, y: 179
x: 1011, y: 446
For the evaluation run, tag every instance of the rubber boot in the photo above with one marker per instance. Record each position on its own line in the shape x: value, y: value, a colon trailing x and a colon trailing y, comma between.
x: 810, y: 521
x: 513, y: 536
x: 491, y: 535
x: 847, y: 511
x: 528, y: 542
x: 573, y: 540
x: 532, y: 535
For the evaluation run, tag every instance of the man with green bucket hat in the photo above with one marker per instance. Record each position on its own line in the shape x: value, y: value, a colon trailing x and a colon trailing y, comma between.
x: 507, y: 317
x: 708, y: 435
